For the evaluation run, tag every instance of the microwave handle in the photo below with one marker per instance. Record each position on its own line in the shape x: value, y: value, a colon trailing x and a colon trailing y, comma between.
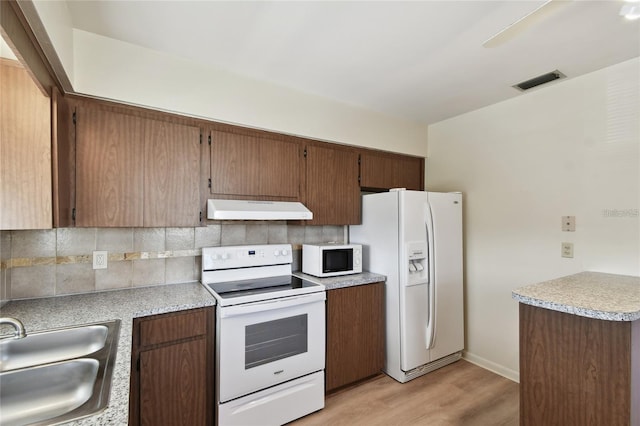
x: 269, y: 305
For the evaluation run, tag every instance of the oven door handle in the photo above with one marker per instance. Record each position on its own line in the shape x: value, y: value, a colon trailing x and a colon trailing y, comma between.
x: 269, y: 305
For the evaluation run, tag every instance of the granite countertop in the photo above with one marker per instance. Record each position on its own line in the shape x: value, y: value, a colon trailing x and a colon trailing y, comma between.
x: 342, y: 281
x: 63, y: 311
x: 588, y: 294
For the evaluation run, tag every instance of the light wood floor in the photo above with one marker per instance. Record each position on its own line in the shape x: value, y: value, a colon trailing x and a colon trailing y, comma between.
x: 458, y: 394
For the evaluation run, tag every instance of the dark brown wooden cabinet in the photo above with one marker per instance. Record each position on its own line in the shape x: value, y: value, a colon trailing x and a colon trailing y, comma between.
x: 254, y: 167
x: 171, y: 174
x: 109, y: 158
x: 25, y: 151
x: 332, y: 190
x: 172, y: 362
x: 135, y: 171
x: 384, y: 170
x: 576, y: 370
x: 122, y: 166
x: 355, y: 334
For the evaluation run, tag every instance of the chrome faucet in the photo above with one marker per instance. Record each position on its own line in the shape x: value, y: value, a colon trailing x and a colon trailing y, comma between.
x: 17, y: 324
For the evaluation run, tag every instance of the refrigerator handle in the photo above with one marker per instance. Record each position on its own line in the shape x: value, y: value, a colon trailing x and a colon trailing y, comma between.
x: 431, y: 324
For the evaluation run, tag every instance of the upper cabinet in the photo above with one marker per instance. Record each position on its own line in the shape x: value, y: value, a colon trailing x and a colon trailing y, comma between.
x: 25, y: 151
x: 109, y: 176
x: 171, y: 174
x: 120, y: 166
x: 254, y: 167
x: 383, y: 170
x: 331, y: 180
x: 134, y: 171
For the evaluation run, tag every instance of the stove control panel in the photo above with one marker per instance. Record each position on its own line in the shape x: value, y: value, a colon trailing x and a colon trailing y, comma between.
x: 232, y: 257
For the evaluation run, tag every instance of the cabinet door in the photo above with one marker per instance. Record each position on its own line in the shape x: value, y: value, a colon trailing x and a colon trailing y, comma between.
x: 376, y: 171
x: 355, y: 334
x: 172, y: 358
x: 410, y: 173
x: 171, y: 174
x: 109, y: 168
x: 25, y: 151
x: 248, y: 167
x: 332, y: 190
x: 172, y: 385
x: 379, y: 170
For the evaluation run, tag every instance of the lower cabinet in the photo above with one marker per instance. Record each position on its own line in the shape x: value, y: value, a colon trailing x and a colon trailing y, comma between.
x: 172, y: 364
x: 576, y: 370
x: 355, y: 334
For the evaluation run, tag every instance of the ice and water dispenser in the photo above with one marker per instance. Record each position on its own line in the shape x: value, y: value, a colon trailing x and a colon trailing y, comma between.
x: 417, y: 257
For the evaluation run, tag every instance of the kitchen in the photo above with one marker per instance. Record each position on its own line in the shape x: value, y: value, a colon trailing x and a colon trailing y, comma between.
x: 521, y: 164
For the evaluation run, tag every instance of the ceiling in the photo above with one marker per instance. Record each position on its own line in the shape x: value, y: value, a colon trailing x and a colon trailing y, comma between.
x: 420, y: 60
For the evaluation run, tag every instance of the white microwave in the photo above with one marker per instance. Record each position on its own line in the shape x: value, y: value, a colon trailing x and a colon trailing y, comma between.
x: 330, y: 260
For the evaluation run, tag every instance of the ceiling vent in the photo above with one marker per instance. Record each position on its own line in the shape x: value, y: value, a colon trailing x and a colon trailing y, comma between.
x: 539, y: 80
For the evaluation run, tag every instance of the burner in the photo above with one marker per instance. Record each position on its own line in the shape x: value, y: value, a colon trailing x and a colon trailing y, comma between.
x: 267, y: 286
x: 242, y: 274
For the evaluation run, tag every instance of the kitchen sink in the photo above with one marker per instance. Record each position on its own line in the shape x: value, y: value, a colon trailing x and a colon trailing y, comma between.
x: 45, y: 392
x: 51, y: 346
x: 58, y: 375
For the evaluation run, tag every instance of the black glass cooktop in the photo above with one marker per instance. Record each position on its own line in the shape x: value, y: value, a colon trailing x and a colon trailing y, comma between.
x: 230, y: 289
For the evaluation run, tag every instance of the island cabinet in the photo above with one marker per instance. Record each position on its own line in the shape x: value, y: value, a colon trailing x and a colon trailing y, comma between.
x: 172, y: 368
x: 331, y: 182
x: 580, y: 351
x: 254, y: 166
x: 576, y: 370
x: 384, y: 170
x: 25, y: 151
x: 355, y: 334
x: 135, y: 171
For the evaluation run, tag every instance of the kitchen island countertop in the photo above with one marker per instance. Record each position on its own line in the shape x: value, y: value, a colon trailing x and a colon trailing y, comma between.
x: 589, y: 294
x: 125, y: 305
x: 342, y: 281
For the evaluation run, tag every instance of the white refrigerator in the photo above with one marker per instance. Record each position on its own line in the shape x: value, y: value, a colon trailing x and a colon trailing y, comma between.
x: 415, y: 239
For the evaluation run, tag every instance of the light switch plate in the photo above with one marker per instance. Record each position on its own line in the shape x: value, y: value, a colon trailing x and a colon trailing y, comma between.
x: 100, y: 259
x: 567, y: 250
x: 568, y: 223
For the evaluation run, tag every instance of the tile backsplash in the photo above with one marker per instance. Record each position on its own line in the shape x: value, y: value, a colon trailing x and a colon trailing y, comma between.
x: 53, y: 262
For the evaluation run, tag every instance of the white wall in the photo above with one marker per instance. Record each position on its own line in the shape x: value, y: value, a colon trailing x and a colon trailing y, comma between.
x: 113, y: 69
x: 108, y: 68
x: 572, y: 148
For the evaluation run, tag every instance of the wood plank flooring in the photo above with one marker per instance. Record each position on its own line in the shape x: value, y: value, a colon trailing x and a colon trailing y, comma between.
x: 458, y: 394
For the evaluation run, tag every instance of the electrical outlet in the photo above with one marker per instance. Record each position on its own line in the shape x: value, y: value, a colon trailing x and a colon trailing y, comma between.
x: 568, y: 223
x: 100, y: 260
x: 567, y: 249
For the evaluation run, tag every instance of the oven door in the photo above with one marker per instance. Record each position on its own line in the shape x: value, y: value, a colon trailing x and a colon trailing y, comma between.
x: 261, y: 344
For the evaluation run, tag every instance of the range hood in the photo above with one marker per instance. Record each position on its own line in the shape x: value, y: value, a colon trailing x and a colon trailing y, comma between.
x: 257, y: 210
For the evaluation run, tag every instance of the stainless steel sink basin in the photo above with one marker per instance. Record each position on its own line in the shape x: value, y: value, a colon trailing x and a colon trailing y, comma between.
x: 57, y: 375
x: 51, y: 346
x: 45, y: 392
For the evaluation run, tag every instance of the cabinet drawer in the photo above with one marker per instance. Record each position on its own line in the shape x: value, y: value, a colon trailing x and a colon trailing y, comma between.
x: 172, y: 327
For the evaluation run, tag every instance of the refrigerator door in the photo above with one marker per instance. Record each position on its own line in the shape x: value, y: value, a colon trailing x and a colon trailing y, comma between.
x: 414, y: 279
x: 446, y: 210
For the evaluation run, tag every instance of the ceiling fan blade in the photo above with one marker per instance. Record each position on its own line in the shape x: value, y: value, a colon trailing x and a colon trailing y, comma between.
x: 522, y: 24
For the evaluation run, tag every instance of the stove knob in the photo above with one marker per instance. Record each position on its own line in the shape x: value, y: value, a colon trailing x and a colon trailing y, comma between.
x: 285, y: 252
x: 225, y: 256
x: 214, y: 256
x: 276, y: 253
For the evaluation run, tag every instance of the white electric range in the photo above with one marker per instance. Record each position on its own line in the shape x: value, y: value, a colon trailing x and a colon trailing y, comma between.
x: 270, y: 335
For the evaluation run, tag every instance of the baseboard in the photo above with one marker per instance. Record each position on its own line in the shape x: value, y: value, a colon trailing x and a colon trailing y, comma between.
x: 492, y: 366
